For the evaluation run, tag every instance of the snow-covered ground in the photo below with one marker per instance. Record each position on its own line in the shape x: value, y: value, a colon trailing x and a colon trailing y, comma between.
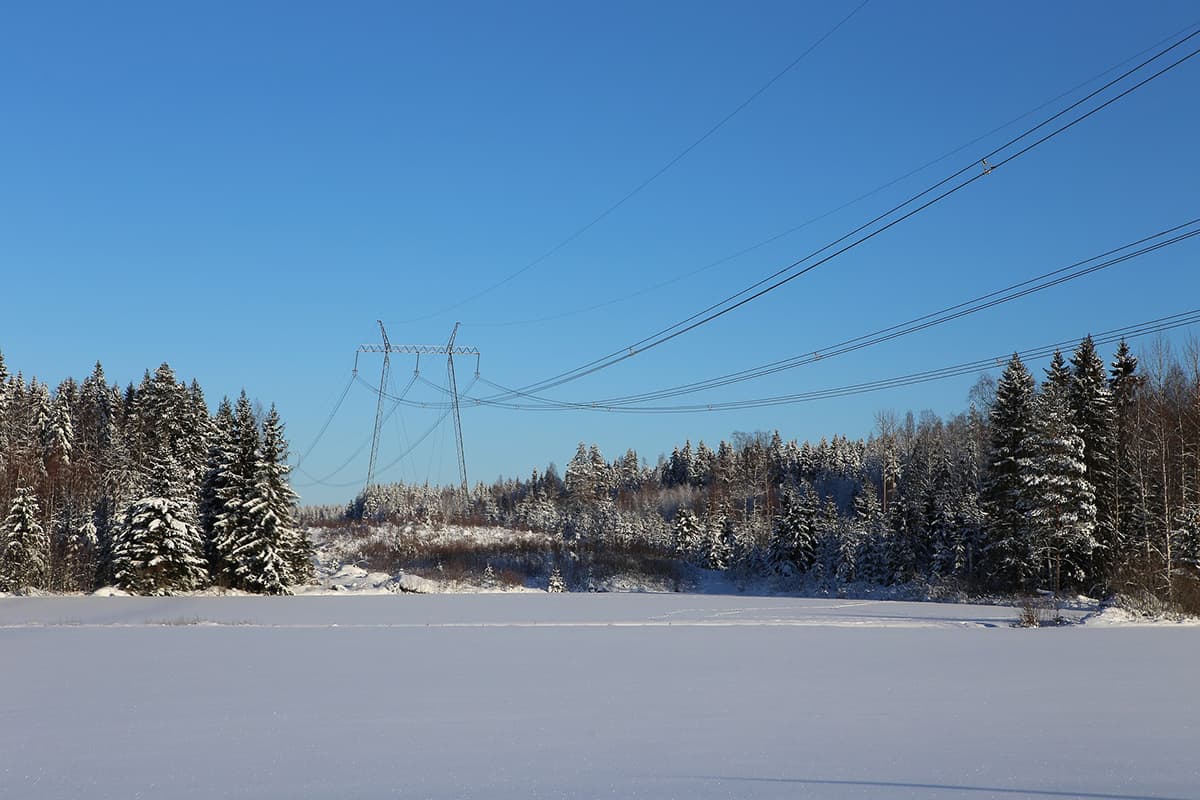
x: 585, y: 695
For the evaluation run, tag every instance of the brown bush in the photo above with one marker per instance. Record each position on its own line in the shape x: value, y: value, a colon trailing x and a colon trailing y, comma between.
x: 515, y: 561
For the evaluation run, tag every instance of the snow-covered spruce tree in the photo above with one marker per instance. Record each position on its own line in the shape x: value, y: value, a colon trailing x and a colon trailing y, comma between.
x: 580, y: 480
x: 828, y: 544
x: 235, y: 485
x: 871, y: 564
x: 271, y: 552
x: 556, y: 583
x: 59, y: 442
x: 1059, y: 501
x: 719, y: 540
x: 849, y: 542
x: 166, y: 423
x: 901, y: 550
x: 158, y: 549
x: 602, y: 473
x: 792, y: 545
x: 1125, y: 383
x: 214, y: 486
x: 5, y: 441
x: 25, y: 553
x: 784, y: 530
x: 81, y: 554
x: 1092, y: 412
x: 689, y: 536
x: 944, y: 520
x: 1010, y: 554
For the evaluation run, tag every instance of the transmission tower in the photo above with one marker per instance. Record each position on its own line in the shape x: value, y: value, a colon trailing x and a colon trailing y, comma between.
x: 383, y: 379
x: 458, y: 439
x: 449, y: 350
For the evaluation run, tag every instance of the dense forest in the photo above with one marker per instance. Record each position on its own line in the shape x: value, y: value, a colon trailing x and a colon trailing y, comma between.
x: 143, y: 489
x: 1087, y: 482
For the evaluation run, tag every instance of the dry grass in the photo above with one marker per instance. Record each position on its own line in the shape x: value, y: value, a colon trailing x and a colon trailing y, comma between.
x: 517, y: 558
x: 1145, y: 589
x: 1037, y: 612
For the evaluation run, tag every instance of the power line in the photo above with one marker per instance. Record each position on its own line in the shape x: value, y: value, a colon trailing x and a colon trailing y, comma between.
x: 774, y: 281
x: 328, y: 420
x: 813, y: 220
x: 422, y: 437
x: 1159, y: 325
x: 1016, y: 291
x: 398, y: 400
x: 404, y: 454
x: 649, y: 180
x: 1056, y: 277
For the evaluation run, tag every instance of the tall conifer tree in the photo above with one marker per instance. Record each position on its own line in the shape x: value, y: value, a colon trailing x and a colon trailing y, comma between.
x: 24, y: 545
x: 1010, y: 552
x: 1059, y: 500
x: 1091, y: 404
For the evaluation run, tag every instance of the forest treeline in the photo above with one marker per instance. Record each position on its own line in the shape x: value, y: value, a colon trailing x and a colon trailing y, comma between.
x: 1087, y: 481
x: 143, y: 489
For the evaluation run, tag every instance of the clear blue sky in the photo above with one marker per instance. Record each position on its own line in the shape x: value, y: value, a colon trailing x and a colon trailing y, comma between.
x: 242, y: 189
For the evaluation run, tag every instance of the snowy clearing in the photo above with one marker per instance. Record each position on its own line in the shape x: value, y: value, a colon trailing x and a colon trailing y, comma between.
x: 537, y: 695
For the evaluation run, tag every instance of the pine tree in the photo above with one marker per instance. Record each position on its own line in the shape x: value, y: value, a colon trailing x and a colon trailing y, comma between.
x: 556, y: 584
x: 25, y: 557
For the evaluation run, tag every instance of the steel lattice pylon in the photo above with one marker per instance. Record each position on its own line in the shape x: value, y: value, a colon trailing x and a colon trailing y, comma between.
x: 450, y: 350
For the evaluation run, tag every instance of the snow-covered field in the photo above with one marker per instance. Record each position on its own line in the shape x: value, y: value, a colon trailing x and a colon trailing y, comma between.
x: 582, y: 696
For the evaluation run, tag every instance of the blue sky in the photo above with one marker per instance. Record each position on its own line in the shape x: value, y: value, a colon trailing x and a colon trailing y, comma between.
x: 242, y: 189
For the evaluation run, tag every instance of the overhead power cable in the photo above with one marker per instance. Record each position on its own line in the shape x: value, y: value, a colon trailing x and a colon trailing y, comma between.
x: 849, y: 203
x: 398, y: 400
x: 1159, y: 325
x: 440, y: 420
x: 580, y: 231
x: 336, y: 407
x: 1057, y: 277
x: 1016, y: 291
x: 417, y: 442
x: 989, y: 162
